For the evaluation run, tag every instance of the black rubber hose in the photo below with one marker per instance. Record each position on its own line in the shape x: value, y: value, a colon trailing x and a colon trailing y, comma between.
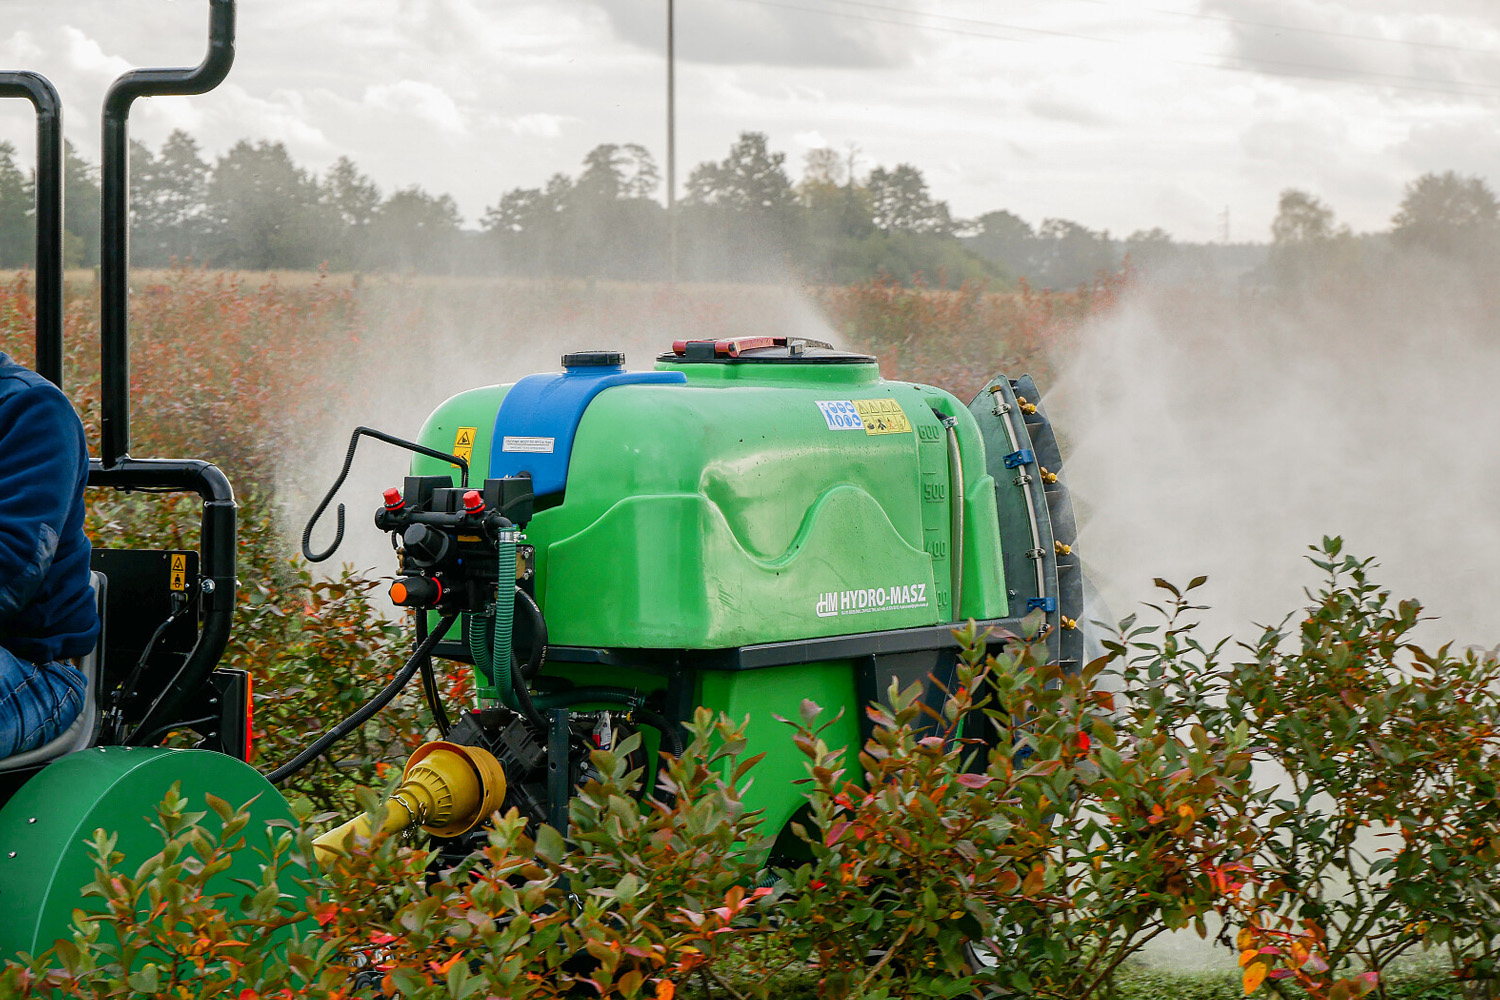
x: 523, y: 698
x: 569, y: 697
x: 429, y: 681
x: 538, y: 655
x: 364, y: 713
x: 671, y: 738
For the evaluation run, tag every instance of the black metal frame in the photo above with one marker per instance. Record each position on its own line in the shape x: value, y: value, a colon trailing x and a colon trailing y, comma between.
x: 114, y: 217
x: 49, y: 216
x: 115, y: 469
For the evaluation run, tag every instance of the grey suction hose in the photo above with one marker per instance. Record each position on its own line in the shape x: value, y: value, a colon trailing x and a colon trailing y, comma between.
x: 364, y: 713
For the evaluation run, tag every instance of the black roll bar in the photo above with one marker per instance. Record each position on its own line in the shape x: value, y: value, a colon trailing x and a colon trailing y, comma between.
x: 115, y: 468
x: 216, y: 569
x: 114, y: 217
x: 49, y: 216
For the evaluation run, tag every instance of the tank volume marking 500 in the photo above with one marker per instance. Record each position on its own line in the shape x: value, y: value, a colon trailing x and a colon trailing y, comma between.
x: 858, y: 602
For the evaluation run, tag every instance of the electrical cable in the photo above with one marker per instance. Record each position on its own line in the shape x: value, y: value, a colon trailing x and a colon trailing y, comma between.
x: 1343, y: 74
x: 122, y: 691
x: 429, y: 682
x: 364, y: 713
x: 156, y: 734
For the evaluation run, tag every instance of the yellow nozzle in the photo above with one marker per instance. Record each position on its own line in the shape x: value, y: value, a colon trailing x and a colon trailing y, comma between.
x: 446, y: 787
x: 1062, y: 548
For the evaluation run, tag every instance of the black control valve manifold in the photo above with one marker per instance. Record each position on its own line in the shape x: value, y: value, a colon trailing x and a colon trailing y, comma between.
x: 449, y: 539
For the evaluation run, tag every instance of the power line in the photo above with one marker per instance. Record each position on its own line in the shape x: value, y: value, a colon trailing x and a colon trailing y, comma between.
x: 1310, y: 71
x: 1325, y: 32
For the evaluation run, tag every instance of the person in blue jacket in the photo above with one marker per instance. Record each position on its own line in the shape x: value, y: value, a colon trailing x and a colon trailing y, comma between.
x: 47, y: 610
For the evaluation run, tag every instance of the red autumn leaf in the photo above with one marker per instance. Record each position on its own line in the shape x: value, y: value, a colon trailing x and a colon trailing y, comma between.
x: 974, y: 780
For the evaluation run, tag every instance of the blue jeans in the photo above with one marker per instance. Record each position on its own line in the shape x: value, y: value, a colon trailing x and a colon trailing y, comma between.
x: 38, y: 702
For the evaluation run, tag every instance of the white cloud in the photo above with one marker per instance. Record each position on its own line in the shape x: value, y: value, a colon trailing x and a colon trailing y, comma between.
x: 540, y: 125
x: 424, y: 101
x: 1109, y: 112
x: 86, y: 55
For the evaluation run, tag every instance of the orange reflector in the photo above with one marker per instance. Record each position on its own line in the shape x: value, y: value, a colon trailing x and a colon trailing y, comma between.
x: 249, y: 714
x: 398, y: 593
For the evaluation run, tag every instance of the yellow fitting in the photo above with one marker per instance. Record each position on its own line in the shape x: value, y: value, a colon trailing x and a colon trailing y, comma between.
x: 447, y: 788
x: 1025, y: 405
x: 1069, y: 622
x: 1061, y: 549
x: 1048, y: 477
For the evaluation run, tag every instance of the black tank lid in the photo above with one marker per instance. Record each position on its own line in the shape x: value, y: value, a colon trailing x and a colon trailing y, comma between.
x: 773, y: 350
x: 593, y: 359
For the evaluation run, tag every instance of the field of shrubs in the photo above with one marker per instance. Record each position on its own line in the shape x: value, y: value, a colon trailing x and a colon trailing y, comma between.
x: 1128, y: 802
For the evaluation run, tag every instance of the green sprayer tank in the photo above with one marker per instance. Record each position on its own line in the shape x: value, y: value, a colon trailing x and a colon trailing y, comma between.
x: 760, y: 521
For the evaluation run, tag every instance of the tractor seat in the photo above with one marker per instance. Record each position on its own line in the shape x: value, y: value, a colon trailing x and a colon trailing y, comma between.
x: 80, y: 735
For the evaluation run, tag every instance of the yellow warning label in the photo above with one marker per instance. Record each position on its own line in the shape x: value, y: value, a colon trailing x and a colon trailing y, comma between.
x: 179, y: 571
x: 882, y: 416
x: 463, y: 443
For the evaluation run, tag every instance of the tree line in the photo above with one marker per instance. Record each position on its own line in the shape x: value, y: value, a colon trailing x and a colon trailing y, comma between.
x: 742, y: 218
x: 1448, y: 219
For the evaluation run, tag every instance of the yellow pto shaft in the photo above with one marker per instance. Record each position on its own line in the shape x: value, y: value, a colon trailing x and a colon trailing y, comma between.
x: 446, y: 788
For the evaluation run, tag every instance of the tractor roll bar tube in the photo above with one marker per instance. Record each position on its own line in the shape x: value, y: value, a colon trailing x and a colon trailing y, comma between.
x: 216, y: 568
x: 114, y: 216
x: 49, y: 212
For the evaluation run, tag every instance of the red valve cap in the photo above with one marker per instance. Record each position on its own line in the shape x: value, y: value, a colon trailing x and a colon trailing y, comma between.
x: 473, y: 501
x: 393, y: 500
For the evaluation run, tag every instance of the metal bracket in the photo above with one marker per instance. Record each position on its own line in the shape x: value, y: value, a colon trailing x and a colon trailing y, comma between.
x: 1035, y: 553
x: 1016, y: 459
x: 1022, y: 480
x: 1047, y: 604
x: 559, y: 777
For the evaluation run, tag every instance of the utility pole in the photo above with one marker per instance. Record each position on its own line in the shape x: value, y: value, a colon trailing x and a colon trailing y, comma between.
x: 672, y: 136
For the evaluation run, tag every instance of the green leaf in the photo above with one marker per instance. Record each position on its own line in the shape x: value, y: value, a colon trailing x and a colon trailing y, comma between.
x: 144, y: 981
x: 550, y: 844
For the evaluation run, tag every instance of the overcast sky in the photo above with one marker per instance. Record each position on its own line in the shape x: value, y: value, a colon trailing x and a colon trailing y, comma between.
x: 1119, y: 114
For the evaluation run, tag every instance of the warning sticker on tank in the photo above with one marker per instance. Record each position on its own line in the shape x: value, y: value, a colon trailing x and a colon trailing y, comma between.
x: 882, y: 416
x: 841, y: 415
x: 529, y: 445
x: 860, y: 602
x: 463, y: 442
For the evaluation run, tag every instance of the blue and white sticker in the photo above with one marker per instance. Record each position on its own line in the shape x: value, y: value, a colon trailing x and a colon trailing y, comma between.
x: 841, y: 415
